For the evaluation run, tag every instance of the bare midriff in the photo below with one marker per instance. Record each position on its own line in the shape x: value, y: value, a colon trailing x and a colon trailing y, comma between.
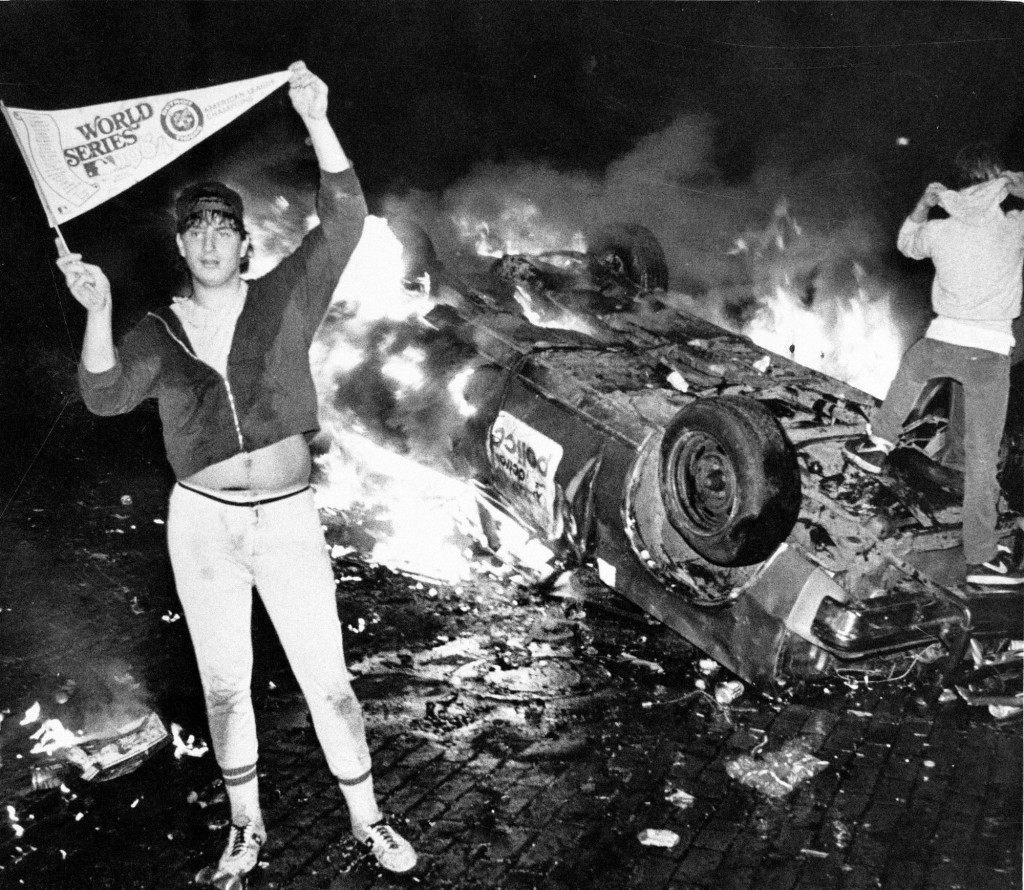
x: 276, y: 468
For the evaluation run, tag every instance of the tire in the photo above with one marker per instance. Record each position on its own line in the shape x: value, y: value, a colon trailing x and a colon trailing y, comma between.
x: 636, y: 250
x: 418, y: 254
x: 730, y: 480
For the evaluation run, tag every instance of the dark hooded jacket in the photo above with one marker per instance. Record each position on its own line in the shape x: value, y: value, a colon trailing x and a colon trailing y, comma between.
x: 268, y: 393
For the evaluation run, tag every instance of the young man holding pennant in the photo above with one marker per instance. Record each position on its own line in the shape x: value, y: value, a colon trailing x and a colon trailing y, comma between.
x: 229, y: 366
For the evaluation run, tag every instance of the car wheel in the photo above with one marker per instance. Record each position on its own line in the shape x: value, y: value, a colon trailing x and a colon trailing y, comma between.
x: 634, y: 252
x: 730, y: 480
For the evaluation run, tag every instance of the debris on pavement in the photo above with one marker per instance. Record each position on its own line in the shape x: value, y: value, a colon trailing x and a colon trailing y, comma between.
x: 1003, y: 712
x: 777, y: 773
x: 678, y: 381
x: 187, y: 747
x: 679, y: 798
x: 708, y: 666
x: 652, y: 666
x: 998, y: 685
x: 16, y: 826
x: 658, y: 837
x: 111, y: 756
x: 726, y: 693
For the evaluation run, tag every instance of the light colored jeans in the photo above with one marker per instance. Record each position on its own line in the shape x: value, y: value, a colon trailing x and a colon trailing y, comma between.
x: 985, y: 377
x: 218, y: 552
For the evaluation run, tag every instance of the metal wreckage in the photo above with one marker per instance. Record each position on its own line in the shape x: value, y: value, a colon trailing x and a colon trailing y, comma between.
x: 704, y: 478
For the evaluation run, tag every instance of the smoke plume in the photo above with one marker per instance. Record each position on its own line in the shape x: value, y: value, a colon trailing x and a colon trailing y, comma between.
x: 796, y: 241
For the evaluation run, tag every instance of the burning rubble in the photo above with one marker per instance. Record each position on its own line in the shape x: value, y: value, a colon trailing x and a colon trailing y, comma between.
x: 95, y: 727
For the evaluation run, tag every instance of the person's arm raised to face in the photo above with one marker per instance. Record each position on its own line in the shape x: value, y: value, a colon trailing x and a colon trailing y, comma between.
x: 309, y: 98
x: 927, y: 201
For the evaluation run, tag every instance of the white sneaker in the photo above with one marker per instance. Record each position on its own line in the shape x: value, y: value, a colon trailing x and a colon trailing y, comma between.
x: 392, y: 851
x: 243, y: 849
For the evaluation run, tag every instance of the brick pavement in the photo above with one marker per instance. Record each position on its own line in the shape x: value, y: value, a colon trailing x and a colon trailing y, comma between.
x: 481, y: 780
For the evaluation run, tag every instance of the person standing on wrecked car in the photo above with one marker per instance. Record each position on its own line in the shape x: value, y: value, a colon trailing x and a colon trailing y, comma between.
x: 229, y: 366
x: 978, y: 253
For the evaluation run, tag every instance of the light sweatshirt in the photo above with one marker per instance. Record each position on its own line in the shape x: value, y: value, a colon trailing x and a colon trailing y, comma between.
x: 978, y: 253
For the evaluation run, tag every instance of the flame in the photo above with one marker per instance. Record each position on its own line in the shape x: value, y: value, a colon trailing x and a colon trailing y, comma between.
x: 849, y: 333
x: 431, y: 514
x: 457, y: 390
x: 546, y: 314
x: 406, y: 369
x: 857, y: 342
x: 51, y: 737
x: 373, y: 318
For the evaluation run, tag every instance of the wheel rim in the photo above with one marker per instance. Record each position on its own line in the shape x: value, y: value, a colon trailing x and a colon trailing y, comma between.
x: 705, y: 483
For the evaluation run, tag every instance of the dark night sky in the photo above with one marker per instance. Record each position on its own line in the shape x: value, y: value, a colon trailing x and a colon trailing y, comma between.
x: 423, y: 92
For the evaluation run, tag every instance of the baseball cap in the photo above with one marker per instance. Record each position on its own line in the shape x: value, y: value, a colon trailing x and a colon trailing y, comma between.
x: 211, y: 196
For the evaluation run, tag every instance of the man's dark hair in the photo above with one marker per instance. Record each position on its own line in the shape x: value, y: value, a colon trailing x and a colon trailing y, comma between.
x: 977, y: 162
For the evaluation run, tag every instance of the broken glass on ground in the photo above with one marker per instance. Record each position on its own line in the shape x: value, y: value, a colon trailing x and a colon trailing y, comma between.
x: 776, y: 773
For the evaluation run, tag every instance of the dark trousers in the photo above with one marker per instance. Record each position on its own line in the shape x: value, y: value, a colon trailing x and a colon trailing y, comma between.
x: 985, y: 378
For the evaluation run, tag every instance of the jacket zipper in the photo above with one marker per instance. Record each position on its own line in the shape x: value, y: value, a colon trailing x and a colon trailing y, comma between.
x: 234, y: 414
x: 227, y: 385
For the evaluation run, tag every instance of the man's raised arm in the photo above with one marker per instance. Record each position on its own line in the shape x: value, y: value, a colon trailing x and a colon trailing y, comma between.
x: 309, y: 98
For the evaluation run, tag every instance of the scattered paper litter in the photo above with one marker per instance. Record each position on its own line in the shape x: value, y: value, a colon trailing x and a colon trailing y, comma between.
x: 31, y: 715
x: 679, y: 798
x: 16, y: 826
x: 726, y: 693
x: 658, y: 837
x: 187, y: 746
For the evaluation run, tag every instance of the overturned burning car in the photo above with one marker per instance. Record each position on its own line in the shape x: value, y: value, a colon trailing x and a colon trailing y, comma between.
x: 701, y: 475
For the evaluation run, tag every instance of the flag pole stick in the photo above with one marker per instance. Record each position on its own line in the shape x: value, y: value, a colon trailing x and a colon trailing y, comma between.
x: 62, y: 245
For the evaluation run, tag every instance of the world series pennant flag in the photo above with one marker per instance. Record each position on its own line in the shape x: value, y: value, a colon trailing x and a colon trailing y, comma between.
x: 81, y: 157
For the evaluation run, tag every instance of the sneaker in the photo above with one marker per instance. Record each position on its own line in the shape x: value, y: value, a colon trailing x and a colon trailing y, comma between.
x: 392, y: 851
x: 243, y: 850
x: 867, y: 452
x: 999, y: 571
